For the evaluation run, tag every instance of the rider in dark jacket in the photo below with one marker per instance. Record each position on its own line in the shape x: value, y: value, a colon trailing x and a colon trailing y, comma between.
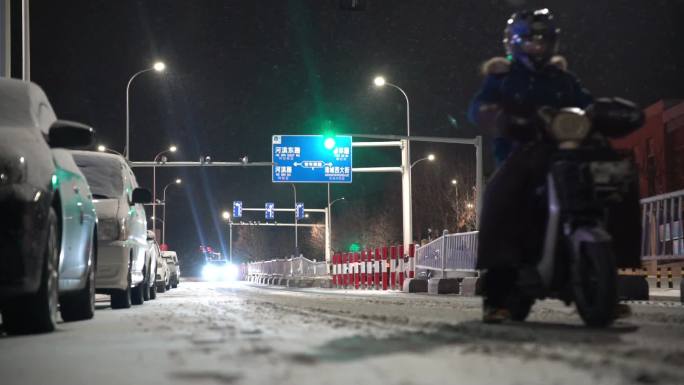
x: 514, y: 88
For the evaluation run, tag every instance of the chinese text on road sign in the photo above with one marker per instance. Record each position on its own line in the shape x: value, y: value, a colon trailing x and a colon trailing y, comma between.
x: 237, y: 209
x: 311, y: 159
x: 270, y: 211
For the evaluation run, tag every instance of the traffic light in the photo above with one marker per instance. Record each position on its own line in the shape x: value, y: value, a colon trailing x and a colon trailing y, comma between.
x: 354, y: 247
x: 328, y: 135
x: 329, y: 143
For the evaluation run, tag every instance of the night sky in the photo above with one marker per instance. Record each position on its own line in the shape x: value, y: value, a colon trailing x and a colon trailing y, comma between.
x: 241, y: 71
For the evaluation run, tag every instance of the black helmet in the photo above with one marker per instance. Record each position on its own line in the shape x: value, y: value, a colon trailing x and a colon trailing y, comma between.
x: 531, y: 37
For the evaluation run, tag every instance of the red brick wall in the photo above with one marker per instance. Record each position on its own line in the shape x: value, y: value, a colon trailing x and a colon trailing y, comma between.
x: 674, y: 132
x: 648, y: 146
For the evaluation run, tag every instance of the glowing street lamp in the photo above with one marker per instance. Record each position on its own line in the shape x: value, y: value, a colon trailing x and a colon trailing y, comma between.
x: 103, y: 148
x: 177, y: 182
x: 172, y: 149
x: 157, y: 67
x: 430, y: 158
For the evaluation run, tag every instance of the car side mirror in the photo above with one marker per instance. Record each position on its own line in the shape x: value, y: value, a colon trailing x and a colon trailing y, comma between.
x: 141, y: 195
x: 150, y: 235
x: 72, y: 135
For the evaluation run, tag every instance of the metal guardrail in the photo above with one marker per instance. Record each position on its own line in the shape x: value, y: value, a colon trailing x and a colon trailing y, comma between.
x: 299, y: 267
x: 449, y: 253
x: 662, y: 236
x: 662, y: 239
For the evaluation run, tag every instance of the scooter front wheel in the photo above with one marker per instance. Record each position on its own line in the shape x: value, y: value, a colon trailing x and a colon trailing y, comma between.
x: 594, y: 277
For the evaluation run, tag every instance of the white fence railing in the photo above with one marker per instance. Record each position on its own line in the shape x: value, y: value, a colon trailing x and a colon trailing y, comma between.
x: 292, y: 267
x: 449, y: 253
x: 661, y: 222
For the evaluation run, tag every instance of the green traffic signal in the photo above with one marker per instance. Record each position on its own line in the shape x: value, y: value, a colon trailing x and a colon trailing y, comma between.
x: 354, y: 247
x: 329, y: 143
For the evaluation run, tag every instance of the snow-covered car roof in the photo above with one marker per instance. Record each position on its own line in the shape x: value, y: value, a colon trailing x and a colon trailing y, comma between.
x: 24, y: 104
x: 103, y: 172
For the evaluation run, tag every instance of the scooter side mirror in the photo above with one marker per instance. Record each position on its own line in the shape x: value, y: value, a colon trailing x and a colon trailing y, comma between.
x: 616, y: 117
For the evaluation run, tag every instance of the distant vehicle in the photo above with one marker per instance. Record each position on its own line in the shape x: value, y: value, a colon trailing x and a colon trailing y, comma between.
x: 122, y: 229
x: 174, y: 268
x: 217, y: 267
x: 153, y: 260
x: 161, y: 272
x: 47, y: 231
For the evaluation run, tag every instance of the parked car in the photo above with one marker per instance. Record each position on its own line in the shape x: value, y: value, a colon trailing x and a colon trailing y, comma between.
x: 48, y: 251
x: 174, y: 267
x: 158, y: 268
x: 122, y: 227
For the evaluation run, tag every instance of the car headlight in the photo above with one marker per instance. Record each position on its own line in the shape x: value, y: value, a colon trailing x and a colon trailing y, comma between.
x: 210, y: 272
x: 12, y: 170
x: 570, y: 125
x: 109, y: 229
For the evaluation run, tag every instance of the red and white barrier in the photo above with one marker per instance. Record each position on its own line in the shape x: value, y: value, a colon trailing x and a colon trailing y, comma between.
x: 357, y: 273
x: 382, y: 268
x: 363, y: 269
x: 400, y: 267
x: 369, y: 268
x: 377, y: 269
x: 412, y: 260
x: 393, y: 268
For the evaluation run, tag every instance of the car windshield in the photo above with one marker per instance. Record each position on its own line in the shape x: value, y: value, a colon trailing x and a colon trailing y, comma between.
x: 102, y: 173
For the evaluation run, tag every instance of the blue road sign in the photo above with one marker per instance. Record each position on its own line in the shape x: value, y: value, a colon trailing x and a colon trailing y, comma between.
x: 299, y: 210
x: 270, y: 210
x: 237, y: 209
x: 311, y: 159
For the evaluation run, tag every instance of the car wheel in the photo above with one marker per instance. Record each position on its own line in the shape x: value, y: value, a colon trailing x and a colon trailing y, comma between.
x: 121, y: 299
x: 161, y: 288
x: 81, y: 305
x: 37, y: 313
x: 175, y: 283
x: 153, y: 288
x: 145, y: 286
x: 137, y: 297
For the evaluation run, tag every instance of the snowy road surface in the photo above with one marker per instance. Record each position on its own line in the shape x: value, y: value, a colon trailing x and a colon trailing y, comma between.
x: 204, y: 333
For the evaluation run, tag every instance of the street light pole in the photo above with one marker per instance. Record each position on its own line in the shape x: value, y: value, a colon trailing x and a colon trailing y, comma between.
x: 226, y: 216
x: 407, y: 212
x: 154, y: 184
x: 328, y: 229
x: 154, y: 219
x: 177, y: 181
x: 294, y: 188
x: 159, y: 67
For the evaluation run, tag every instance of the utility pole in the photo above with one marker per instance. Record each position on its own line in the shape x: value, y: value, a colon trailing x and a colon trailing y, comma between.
x: 26, y: 42
x: 230, y: 241
x: 5, y: 39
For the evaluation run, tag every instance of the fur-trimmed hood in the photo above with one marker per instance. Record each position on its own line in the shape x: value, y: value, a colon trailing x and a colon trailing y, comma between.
x: 500, y: 65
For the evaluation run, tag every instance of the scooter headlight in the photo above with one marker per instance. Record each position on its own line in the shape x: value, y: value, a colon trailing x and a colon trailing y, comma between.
x: 570, y: 125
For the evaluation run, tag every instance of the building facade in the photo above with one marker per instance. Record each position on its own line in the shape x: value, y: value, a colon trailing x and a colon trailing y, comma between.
x: 658, y: 148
